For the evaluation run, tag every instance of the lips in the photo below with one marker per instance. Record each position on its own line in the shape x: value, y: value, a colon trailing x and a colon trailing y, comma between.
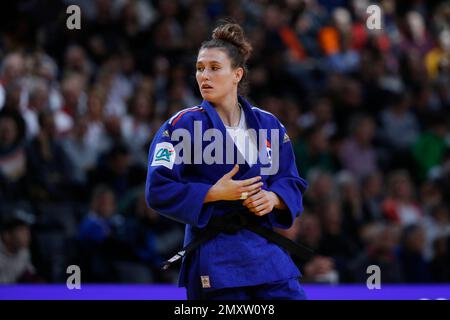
x: 206, y: 86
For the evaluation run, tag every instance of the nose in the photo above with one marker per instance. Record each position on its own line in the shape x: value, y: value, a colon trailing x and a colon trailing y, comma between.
x: 204, y: 75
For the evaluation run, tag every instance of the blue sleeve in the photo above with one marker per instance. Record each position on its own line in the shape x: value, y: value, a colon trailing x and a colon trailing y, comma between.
x: 167, y: 191
x: 287, y: 184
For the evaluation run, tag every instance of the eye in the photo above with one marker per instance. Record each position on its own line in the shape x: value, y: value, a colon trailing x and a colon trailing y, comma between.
x: 200, y: 69
x: 215, y: 68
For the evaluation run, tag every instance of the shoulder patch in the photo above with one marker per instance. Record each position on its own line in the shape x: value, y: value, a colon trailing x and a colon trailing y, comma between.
x: 164, y: 155
x: 166, y: 133
x: 286, y: 138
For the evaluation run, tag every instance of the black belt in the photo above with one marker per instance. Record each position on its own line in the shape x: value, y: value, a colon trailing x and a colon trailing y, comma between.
x: 234, y: 222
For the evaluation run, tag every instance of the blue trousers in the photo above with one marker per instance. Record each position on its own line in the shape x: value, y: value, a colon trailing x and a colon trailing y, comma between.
x: 289, y: 289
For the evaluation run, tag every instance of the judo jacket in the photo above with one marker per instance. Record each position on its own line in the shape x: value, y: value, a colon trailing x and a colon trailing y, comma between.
x: 177, y: 189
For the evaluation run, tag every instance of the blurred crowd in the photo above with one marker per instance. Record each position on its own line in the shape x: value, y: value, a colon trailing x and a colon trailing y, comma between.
x: 367, y: 111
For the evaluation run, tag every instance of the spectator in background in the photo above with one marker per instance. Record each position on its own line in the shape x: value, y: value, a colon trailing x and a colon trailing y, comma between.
x: 13, y: 69
x: 72, y: 91
x: 399, y: 126
x: 321, y: 115
x: 372, y: 197
x: 400, y: 206
x: 96, y: 135
x: 101, y: 237
x: 49, y: 169
x: 136, y: 127
x: 15, y: 256
x: 416, y: 36
x: 335, y: 242
x: 440, y: 174
x: 82, y: 155
x: 38, y: 102
x: 322, y: 187
x: 12, y: 106
x: 436, y: 225
x: 13, y: 164
x: 351, y: 205
x: 429, y: 148
x: 440, y: 264
x: 357, y: 153
x: 313, y: 153
x: 381, y: 241
x: 411, y: 255
x: 117, y: 172
x: 346, y: 60
x: 142, y: 238
x: 439, y: 55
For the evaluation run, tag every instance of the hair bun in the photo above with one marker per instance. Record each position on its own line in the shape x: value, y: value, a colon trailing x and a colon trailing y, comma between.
x: 234, y: 34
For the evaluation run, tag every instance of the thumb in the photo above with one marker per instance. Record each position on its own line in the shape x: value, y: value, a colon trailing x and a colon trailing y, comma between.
x: 233, y: 171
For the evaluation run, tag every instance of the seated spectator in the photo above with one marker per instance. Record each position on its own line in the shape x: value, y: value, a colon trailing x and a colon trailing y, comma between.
x: 351, y: 205
x: 436, y: 225
x: 322, y: 187
x: 372, y: 197
x: 143, y: 240
x: 399, y: 125
x: 82, y: 155
x: 411, y: 255
x: 15, y: 256
x: 399, y: 205
x: 117, y: 171
x: 49, y: 168
x: 335, y: 243
x: 321, y: 115
x: 440, y: 174
x: 314, y: 152
x: 429, y: 149
x: 381, y: 242
x: 12, y: 106
x: 136, y: 127
x: 12, y: 160
x: 440, y: 264
x: 38, y: 102
x: 357, y: 153
x: 320, y: 269
x: 101, y: 237
x: 12, y: 70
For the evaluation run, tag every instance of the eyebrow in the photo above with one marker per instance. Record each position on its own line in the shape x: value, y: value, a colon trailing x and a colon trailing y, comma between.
x: 208, y: 61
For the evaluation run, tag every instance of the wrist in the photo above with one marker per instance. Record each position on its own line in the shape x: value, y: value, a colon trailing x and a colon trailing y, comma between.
x: 274, y: 199
x: 211, y: 195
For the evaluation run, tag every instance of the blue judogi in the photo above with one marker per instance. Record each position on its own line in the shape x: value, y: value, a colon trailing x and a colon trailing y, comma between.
x: 177, y: 191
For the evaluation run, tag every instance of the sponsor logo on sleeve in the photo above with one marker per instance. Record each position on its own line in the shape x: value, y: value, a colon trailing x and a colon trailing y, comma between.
x: 164, y: 155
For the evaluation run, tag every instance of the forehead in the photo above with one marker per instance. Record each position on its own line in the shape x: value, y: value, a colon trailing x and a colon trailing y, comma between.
x: 209, y: 55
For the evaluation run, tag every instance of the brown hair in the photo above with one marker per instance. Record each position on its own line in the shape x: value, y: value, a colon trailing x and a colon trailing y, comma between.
x: 230, y: 37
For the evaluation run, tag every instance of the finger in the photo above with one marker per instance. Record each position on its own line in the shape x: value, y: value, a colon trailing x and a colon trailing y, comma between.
x: 256, y: 203
x: 250, y: 181
x: 252, y: 187
x: 263, y: 212
x: 233, y: 171
x: 253, y: 192
x: 255, y: 197
x: 259, y: 208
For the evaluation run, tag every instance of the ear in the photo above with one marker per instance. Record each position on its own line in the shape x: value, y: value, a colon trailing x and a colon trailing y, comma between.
x: 238, y: 74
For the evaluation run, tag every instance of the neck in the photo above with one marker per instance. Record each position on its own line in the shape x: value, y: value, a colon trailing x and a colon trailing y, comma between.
x: 229, y: 111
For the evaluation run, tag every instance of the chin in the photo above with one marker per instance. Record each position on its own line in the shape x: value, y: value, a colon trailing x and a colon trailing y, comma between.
x: 209, y: 97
